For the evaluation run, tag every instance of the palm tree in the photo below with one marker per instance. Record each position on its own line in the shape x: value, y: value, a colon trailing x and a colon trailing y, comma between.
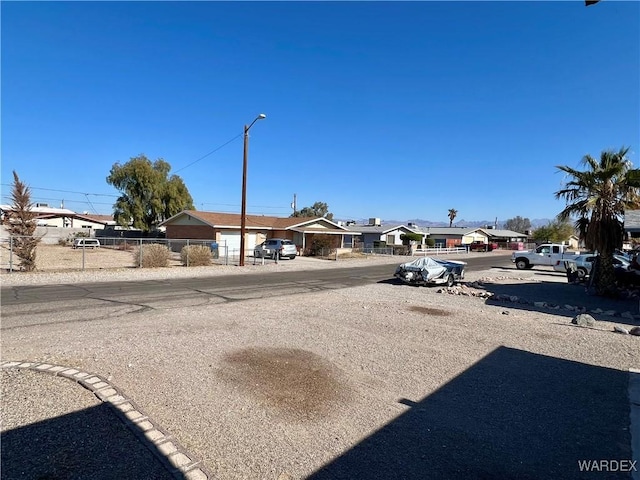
x: 598, y: 198
x: 452, y: 214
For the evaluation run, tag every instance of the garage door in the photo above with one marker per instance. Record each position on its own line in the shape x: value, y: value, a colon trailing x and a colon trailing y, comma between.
x: 231, y: 240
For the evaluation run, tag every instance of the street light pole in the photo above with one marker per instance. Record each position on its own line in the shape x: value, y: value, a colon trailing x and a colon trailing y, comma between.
x: 243, y: 212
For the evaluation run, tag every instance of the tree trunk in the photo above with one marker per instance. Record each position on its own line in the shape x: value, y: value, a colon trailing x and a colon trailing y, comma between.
x: 605, y: 276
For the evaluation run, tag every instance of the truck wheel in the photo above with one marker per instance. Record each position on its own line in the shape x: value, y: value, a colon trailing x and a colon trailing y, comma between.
x: 582, y: 273
x: 522, y: 264
x: 450, y: 280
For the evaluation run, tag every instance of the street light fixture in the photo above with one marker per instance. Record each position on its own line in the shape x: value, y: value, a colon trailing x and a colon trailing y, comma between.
x: 243, y: 213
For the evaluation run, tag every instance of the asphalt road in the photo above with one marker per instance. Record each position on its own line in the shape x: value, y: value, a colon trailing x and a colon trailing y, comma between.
x: 44, y: 304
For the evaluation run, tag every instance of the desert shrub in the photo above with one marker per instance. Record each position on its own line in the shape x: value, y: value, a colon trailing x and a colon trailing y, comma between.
x: 321, y: 245
x: 153, y: 256
x: 195, y: 255
x: 430, y: 242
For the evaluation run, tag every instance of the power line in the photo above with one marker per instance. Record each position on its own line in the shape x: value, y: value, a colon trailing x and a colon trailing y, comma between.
x: 236, y: 205
x: 210, y: 153
x: 66, y: 200
x: 64, y: 191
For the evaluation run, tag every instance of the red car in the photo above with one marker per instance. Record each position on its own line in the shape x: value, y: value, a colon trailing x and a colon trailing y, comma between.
x: 482, y: 247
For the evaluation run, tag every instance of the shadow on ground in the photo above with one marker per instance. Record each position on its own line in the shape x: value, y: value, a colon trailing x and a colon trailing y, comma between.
x: 89, y: 444
x: 561, y: 294
x: 512, y: 415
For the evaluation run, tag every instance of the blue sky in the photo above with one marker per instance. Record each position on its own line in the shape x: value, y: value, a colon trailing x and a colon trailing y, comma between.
x: 397, y: 110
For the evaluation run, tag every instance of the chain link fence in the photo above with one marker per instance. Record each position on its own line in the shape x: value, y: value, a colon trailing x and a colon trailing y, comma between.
x: 112, y: 253
x: 120, y: 253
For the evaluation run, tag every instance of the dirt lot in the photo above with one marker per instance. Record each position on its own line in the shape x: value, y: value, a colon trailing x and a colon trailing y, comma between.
x: 58, y: 258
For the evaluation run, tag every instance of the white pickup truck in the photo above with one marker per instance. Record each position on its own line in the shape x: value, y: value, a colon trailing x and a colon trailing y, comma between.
x: 546, y: 254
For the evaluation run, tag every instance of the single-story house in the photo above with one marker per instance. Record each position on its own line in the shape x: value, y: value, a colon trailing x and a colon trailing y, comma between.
x: 369, y: 235
x: 46, y: 216
x: 447, y: 236
x: 75, y: 220
x: 507, y: 237
x: 632, y: 224
x: 459, y: 236
x: 224, y: 228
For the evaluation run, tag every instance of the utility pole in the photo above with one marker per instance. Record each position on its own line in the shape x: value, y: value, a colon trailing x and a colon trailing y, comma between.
x: 294, y: 205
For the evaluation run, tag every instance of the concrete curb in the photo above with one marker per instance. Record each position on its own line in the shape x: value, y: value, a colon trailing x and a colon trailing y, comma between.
x: 182, y: 465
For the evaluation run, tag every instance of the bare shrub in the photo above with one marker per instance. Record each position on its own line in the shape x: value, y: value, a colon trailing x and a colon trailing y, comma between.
x: 153, y: 256
x: 195, y: 255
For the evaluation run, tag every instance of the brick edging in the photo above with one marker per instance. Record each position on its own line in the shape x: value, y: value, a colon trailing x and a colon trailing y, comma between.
x: 173, y: 456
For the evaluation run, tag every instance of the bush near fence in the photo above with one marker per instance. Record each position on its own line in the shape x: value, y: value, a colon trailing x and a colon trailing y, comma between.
x: 195, y: 256
x: 152, y: 256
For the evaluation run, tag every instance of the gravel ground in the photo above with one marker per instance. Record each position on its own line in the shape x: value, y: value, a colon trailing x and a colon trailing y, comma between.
x: 327, y: 384
x: 61, y: 430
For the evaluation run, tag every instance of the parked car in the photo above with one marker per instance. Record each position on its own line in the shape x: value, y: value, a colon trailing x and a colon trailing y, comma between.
x: 480, y: 246
x: 431, y: 271
x: 86, y: 243
x: 584, y: 263
x: 281, y: 246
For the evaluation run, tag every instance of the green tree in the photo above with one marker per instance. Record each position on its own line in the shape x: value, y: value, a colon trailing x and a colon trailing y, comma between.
x: 452, y: 215
x: 598, y: 198
x: 518, y: 224
x: 148, y: 195
x: 318, y: 209
x: 21, y: 224
x: 557, y: 231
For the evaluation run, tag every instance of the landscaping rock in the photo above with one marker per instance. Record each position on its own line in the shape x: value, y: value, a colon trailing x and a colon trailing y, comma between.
x: 621, y: 330
x: 584, y: 320
x: 635, y: 331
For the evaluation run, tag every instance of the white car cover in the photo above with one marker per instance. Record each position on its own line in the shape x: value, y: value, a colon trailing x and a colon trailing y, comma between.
x: 428, y: 264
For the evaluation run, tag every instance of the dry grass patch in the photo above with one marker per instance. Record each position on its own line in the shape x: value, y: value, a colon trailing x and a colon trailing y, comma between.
x: 436, y: 312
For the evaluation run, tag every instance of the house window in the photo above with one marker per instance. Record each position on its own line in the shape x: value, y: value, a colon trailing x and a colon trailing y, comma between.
x: 391, y: 239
